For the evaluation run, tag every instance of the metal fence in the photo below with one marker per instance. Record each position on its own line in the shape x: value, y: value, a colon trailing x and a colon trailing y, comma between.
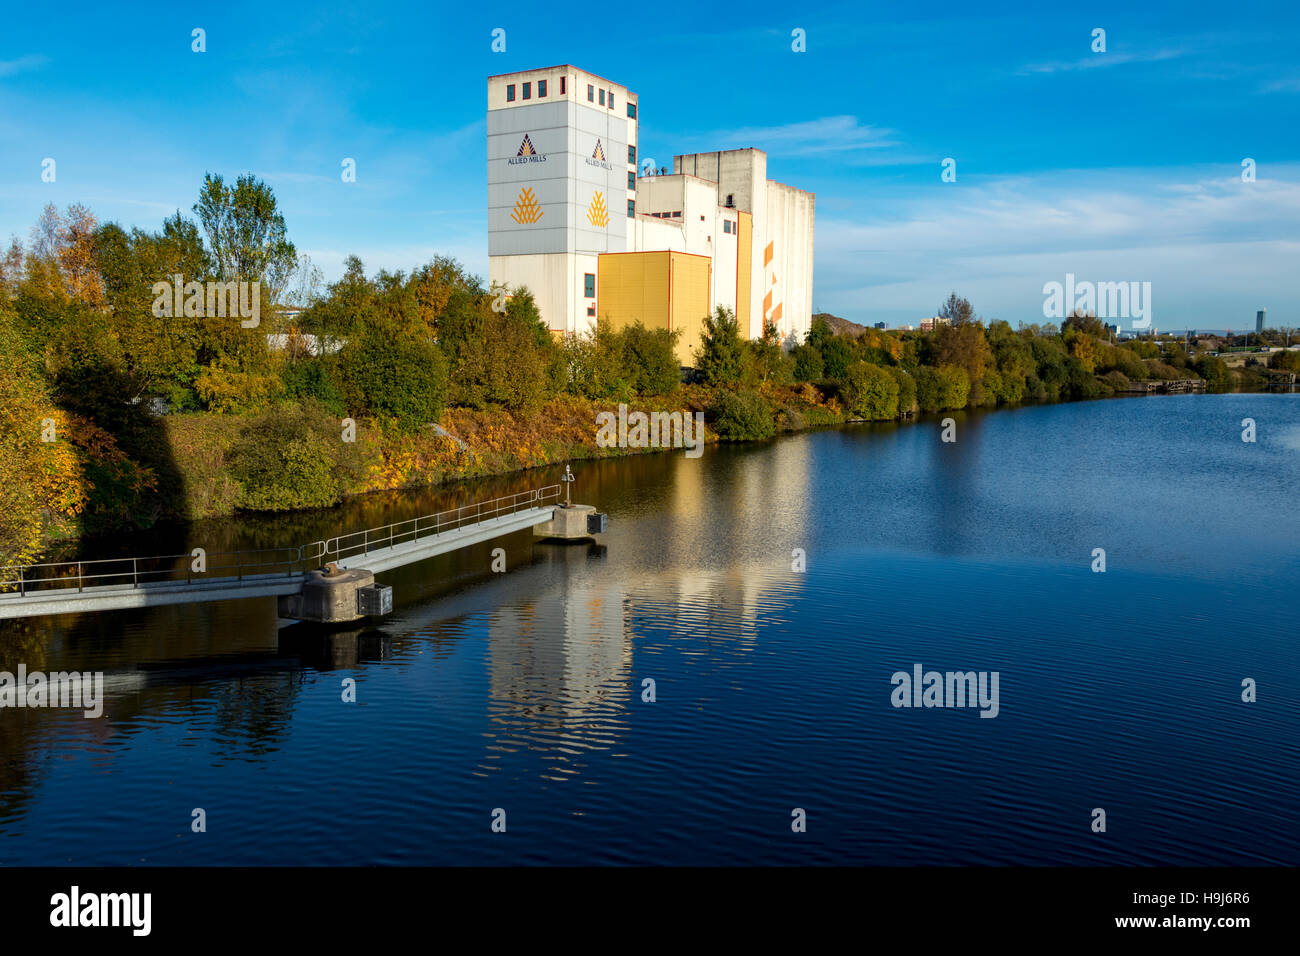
x: 426, y: 526
x: 142, y: 572
x: 25, y: 579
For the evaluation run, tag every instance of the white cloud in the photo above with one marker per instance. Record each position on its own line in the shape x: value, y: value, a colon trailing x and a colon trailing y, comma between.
x: 1212, y: 246
x: 23, y: 64
x: 1099, y: 60
x: 827, y: 135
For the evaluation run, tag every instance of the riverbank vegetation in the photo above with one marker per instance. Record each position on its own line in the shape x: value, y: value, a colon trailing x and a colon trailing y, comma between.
x: 112, y: 416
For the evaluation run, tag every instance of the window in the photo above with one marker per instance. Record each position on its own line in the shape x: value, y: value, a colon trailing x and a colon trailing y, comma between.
x: 631, y: 155
x: 510, y: 93
x: 589, y: 285
x: 631, y: 208
x: 678, y: 214
x: 631, y: 180
x: 541, y: 88
x: 611, y: 99
x: 726, y: 226
x: 591, y: 93
x: 528, y: 91
x: 602, y: 97
x: 631, y: 111
x: 562, y: 79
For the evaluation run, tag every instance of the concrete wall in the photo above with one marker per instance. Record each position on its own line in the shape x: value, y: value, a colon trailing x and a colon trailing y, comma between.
x: 780, y: 237
x: 789, y: 272
x: 557, y: 173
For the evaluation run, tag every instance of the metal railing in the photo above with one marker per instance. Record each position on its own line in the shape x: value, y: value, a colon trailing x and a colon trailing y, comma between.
x: 413, y: 529
x: 21, y: 580
x: 141, y: 572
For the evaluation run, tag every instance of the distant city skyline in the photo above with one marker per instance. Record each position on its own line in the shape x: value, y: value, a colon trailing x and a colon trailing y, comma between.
x: 1117, y: 166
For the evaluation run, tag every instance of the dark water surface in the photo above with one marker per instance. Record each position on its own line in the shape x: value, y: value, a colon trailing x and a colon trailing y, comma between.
x: 523, y: 690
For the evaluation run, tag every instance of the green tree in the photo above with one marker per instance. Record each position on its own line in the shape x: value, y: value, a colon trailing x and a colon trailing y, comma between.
x: 246, y: 233
x: 721, y: 360
x: 768, y: 358
x: 957, y: 310
x: 650, y: 359
x: 808, y: 364
x: 837, y: 355
x: 402, y: 380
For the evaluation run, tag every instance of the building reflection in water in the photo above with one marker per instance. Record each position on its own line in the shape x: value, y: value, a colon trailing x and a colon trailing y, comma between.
x: 559, y: 666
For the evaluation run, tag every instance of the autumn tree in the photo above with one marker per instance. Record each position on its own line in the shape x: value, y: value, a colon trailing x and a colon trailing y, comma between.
x: 957, y: 310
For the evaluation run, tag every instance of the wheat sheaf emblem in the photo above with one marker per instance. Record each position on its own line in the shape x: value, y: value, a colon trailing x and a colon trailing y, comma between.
x: 527, y: 209
x: 597, y: 214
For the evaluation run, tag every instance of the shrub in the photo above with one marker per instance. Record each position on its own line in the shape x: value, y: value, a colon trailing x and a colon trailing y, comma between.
x: 870, y: 392
x: 315, y: 378
x: 1286, y: 361
x: 906, y: 390
x: 1214, y: 371
x: 401, y: 379
x: 1159, y: 370
x: 943, y: 388
x: 227, y: 388
x: 741, y: 416
x: 292, y: 458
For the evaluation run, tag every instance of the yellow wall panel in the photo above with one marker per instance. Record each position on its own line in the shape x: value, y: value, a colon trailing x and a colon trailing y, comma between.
x: 632, y: 287
x: 662, y: 290
x: 744, y: 268
x: 691, y: 282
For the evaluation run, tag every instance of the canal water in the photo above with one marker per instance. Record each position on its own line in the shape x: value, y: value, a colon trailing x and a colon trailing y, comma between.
x: 769, y: 592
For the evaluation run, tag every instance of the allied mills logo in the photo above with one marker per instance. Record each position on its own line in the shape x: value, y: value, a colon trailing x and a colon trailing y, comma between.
x: 527, y: 209
x: 527, y: 154
x: 598, y: 157
x: 597, y: 214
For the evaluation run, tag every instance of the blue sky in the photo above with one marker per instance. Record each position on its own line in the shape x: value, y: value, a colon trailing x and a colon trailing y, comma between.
x: 1115, y: 166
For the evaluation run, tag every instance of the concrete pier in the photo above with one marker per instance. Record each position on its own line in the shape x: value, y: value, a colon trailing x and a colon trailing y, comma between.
x: 572, y: 523
x: 327, y: 598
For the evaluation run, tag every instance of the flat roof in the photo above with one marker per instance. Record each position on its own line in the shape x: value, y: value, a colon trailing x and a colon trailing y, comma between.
x: 561, y: 66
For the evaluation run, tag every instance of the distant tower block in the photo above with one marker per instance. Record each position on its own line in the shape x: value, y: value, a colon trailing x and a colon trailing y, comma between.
x: 1259, y: 320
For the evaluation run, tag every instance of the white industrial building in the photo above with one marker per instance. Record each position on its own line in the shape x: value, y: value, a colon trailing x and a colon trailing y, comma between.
x: 570, y: 219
